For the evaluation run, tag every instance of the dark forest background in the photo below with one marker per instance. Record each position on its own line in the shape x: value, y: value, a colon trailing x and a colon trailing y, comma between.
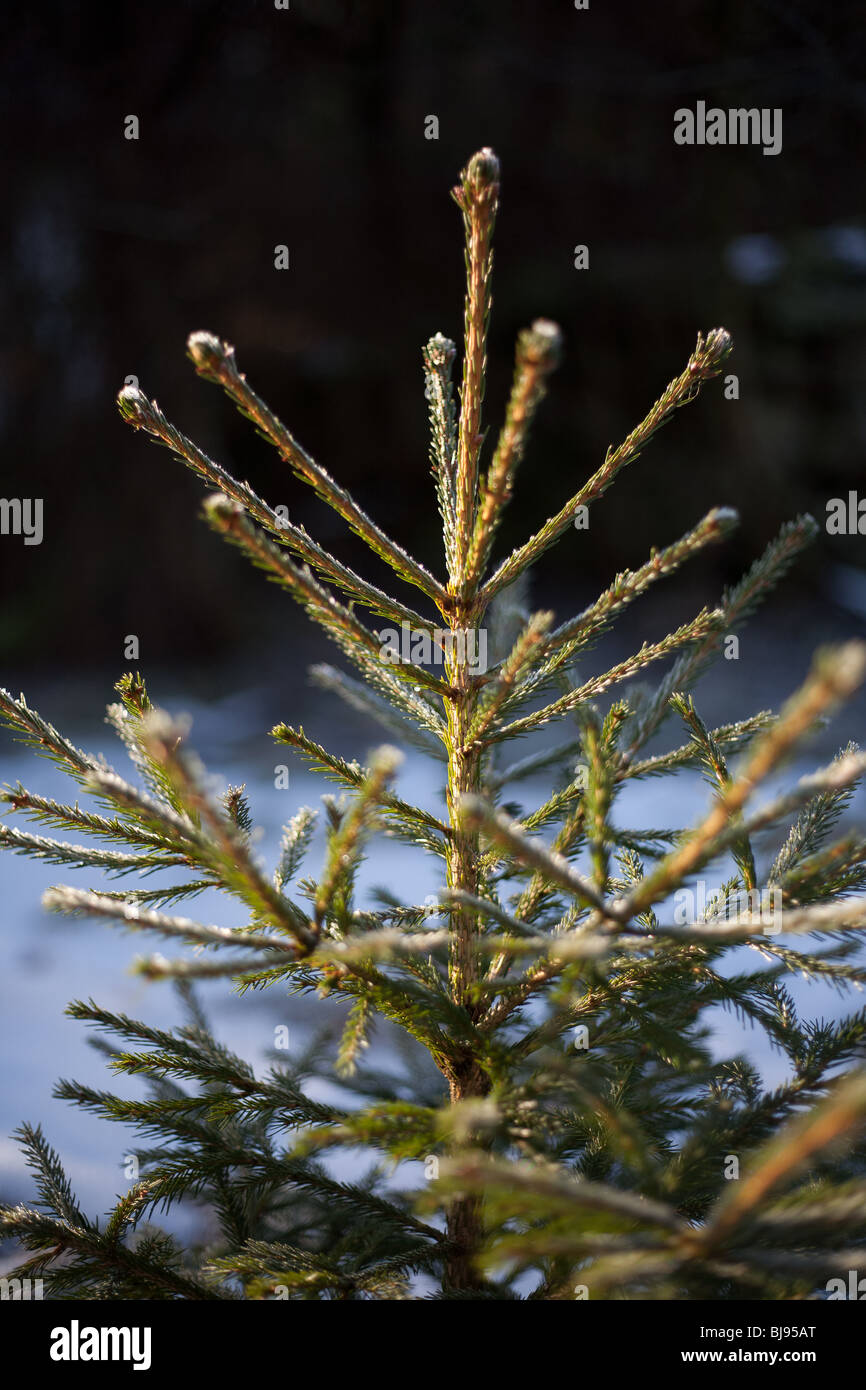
x: 306, y: 127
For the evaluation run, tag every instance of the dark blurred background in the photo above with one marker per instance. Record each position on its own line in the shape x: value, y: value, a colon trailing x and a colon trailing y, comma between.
x: 306, y: 127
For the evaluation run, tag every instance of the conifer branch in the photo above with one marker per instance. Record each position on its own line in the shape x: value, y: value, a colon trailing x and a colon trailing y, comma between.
x: 577, y: 634
x: 438, y: 356
x: 145, y: 414
x: 86, y: 856
x: 165, y: 895
x: 353, y: 775
x: 556, y: 755
x: 393, y: 715
x: 559, y: 1191
x: 803, y: 1137
x: 172, y: 827
x: 42, y: 736
x: 841, y: 774
x: 836, y: 674
x: 76, y: 902
x: 510, y: 836
x: 713, y: 759
x: 231, y: 855
x: 729, y: 737
x: 704, y: 363
x: 813, y: 825
x: 487, y: 908
x: 529, y: 642
x: 386, y: 944
x: 215, y: 361
x: 597, y: 800
x: 537, y: 355
x: 823, y: 917
x: 351, y: 636
x: 477, y: 196
x: 65, y: 817
x: 158, y: 967
x: 126, y: 719
x: 691, y: 632
x: 345, y: 844
x: 294, y: 845
x: 737, y: 604
x: 94, y: 1253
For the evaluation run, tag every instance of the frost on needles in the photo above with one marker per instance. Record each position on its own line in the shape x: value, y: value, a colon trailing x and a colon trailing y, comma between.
x: 555, y: 1085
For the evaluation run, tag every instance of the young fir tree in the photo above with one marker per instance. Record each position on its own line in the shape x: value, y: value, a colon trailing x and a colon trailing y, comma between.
x: 578, y: 1134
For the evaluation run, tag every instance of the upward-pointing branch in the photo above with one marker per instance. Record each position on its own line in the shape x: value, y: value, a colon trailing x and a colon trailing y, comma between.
x: 704, y: 363
x: 215, y: 361
x: 477, y: 196
x: 836, y: 674
x: 537, y: 354
x: 145, y: 414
